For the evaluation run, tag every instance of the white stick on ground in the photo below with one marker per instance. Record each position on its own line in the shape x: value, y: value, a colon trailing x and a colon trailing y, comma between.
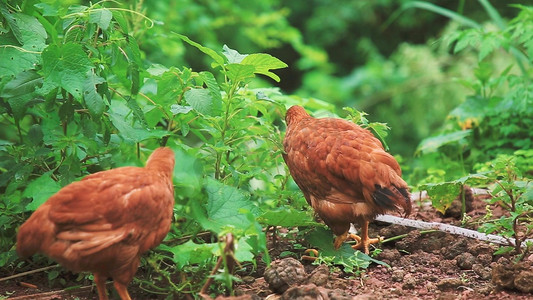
x: 450, y: 229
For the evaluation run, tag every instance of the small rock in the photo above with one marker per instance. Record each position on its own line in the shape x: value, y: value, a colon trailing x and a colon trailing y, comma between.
x: 484, y: 273
x: 338, y: 294
x: 304, y: 292
x: 319, y: 276
x: 390, y: 255
x: 514, y: 276
x: 365, y: 297
x: 465, y: 261
x: 448, y: 266
x: 484, y: 259
x: 398, y: 275
x: 485, y: 289
x: 410, y: 243
x: 458, y: 247
x: 248, y: 279
x: 284, y: 273
x: 449, y: 283
x: 481, y: 248
x: 524, y: 281
x: 409, y: 282
x: 393, y: 230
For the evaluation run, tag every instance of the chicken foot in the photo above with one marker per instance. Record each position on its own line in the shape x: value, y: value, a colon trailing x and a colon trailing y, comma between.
x: 363, y: 241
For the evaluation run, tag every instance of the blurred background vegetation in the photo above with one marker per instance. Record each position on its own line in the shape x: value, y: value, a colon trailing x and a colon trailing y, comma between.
x: 452, y: 79
x: 389, y: 58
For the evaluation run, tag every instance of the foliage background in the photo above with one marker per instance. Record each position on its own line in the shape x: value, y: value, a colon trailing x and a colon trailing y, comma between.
x: 87, y: 87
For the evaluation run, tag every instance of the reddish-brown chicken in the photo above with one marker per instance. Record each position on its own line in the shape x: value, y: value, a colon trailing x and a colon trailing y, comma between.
x: 343, y: 172
x: 104, y: 222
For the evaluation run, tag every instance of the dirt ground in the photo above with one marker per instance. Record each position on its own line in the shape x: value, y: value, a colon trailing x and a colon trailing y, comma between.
x: 422, y: 266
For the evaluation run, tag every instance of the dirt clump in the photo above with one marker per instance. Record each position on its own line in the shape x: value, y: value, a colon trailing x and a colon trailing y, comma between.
x: 513, y: 276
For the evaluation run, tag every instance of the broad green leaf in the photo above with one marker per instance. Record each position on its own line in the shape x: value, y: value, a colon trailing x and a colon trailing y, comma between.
x: 239, y: 72
x: 227, y: 206
x: 214, y: 90
x: 345, y: 256
x: 202, y: 101
x: 243, y: 251
x: 14, y: 61
x: 191, y: 253
x: 212, y: 53
x: 180, y: 109
x: 94, y: 101
x: 233, y: 56
x: 40, y: 190
x: 132, y: 49
x: 188, y: 173
x: 169, y: 87
x: 29, y: 31
x: 431, y: 144
x: 263, y: 63
x: 287, y: 217
x: 135, y: 132
x: 101, y: 16
x: 121, y: 21
x: 136, y: 110
x: 442, y: 194
x: 66, y: 67
x: 23, y: 84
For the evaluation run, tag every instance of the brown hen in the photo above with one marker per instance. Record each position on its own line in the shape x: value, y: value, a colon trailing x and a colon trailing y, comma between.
x: 103, y: 223
x: 343, y: 172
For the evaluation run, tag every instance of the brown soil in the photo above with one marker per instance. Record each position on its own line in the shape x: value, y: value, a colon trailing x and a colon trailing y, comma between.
x: 422, y: 266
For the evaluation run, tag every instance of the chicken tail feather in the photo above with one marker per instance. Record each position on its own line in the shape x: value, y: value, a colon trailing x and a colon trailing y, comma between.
x: 393, y: 197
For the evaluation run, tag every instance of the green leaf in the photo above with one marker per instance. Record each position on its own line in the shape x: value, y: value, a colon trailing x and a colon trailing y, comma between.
x: 238, y: 72
x: 212, y: 53
x: 202, y: 102
x: 132, y: 49
x: 214, y: 90
x: 66, y: 67
x: 191, y: 253
x: 134, y: 132
x: 431, y: 144
x: 14, y: 61
x: 286, y: 217
x: 23, y: 84
x: 29, y: 31
x: 441, y: 11
x: 40, y: 190
x: 263, y: 63
x: 94, y: 101
x: 233, y: 56
x: 188, y: 174
x: 101, y: 16
x: 345, y: 256
x: 227, y: 206
x: 442, y: 194
x: 180, y: 109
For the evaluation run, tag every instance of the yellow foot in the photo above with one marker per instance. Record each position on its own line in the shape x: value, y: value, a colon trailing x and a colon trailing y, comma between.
x: 365, y: 244
x: 312, y: 257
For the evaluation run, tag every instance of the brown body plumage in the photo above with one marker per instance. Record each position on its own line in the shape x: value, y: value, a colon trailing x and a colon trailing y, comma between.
x: 103, y: 223
x: 343, y: 172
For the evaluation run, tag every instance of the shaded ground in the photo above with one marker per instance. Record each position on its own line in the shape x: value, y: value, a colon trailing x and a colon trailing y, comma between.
x: 423, y: 266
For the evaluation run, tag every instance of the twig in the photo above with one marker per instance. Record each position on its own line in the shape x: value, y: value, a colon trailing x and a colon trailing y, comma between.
x: 54, y: 294
x: 450, y: 229
x: 29, y: 272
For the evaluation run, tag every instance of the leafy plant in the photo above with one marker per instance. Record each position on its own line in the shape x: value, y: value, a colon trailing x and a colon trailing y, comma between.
x: 514, y: 194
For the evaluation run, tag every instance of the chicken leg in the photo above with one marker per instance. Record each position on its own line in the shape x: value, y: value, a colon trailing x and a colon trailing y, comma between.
x: 100, y: 286
x: 122, y: 291
x: 363, y: 241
